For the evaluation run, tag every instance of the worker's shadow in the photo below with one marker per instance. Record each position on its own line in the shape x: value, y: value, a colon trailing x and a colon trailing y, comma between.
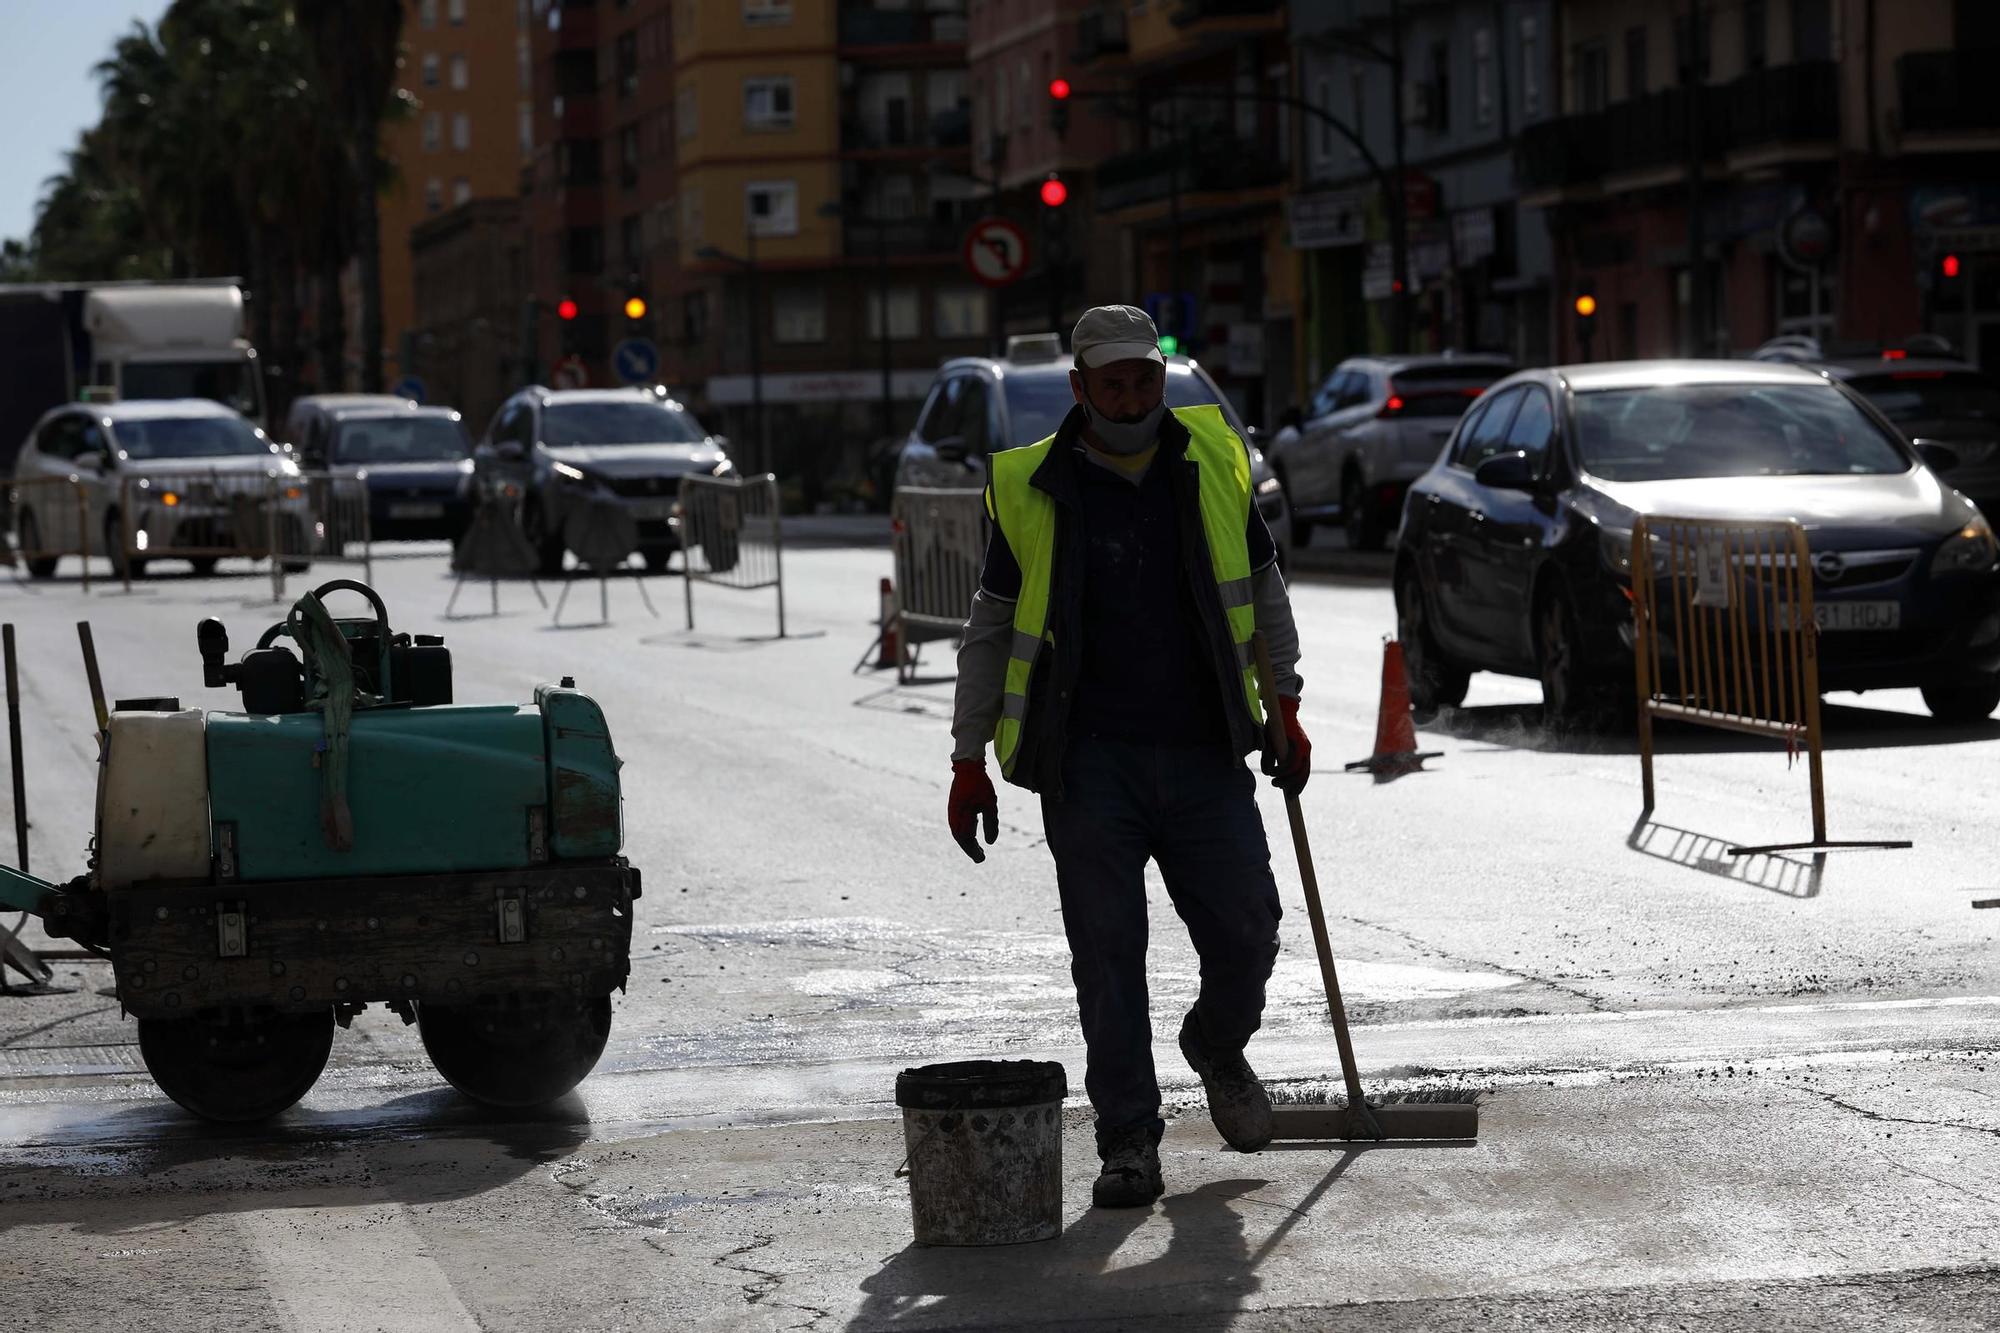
x: 1207, y: 1267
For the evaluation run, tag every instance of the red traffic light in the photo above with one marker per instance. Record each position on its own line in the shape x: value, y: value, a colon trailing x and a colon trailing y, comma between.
x: 565, y: 309
x: 1950, y: 266
x: 1054, y: 192
x: 1059, y: 89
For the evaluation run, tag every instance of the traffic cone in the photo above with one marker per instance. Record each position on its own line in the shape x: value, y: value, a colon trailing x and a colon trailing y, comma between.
x: 1395, y: 733
x: 888, y: 640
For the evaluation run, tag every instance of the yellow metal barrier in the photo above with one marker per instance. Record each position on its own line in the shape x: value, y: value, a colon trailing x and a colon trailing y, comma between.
x: 50, y: 517
x: 1726, y: 636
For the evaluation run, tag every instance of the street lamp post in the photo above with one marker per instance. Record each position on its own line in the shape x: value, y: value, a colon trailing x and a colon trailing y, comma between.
x: 749, y: 265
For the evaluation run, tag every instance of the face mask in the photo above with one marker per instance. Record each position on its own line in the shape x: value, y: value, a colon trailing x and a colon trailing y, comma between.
x: 1124, y: 437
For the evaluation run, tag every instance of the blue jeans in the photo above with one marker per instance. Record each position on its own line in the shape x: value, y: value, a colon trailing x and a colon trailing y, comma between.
x: 1192, y: 810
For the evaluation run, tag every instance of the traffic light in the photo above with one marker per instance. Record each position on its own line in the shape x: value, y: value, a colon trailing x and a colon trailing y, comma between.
x: 1054, y: 193
x: 1059, y: 106
x: 1948, y: 266
x: 636, y: 306
x: 566, y: 310
x: 1586, y: 321
x: 1169, y: 345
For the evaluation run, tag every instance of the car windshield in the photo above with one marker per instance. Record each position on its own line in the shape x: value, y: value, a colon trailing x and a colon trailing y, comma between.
x: 410, y: 439
x: 1910, y: 396
x: 188, y: 437
x: 1036, y: 404
x: 227, y: 382
x: 565, y: 424
x: 1729, y: 430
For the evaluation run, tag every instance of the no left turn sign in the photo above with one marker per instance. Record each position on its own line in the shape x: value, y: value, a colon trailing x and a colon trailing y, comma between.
x: 996, y: 251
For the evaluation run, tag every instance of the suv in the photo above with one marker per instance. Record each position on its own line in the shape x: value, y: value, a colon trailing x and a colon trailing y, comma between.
x: 1930, y: 395
x: 980, y: 404
x: 1375, y: 426
x: 310, y: 417
x: 561, y: 449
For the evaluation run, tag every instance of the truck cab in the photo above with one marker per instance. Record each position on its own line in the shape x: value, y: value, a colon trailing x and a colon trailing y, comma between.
x: 174, y: 342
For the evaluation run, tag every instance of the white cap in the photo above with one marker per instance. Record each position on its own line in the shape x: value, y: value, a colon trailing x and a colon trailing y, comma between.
x: 1108, y: 333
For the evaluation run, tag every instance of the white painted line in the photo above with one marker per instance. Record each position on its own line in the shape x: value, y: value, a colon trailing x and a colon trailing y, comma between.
x: 332, y: 1268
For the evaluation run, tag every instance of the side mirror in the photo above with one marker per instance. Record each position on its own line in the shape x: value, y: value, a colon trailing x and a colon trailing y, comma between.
x: 951, y: 449
x: 94, y: 460
x: 1937, y: 456
x: 509, y: 449
x: 1506, y: 472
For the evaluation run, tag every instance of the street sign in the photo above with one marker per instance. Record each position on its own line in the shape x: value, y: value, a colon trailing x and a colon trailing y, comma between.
x: 1323, y: 220
x: 637, y: 361
x: 409, y: 387
x: 1172, y: 313
x: 569, y: 373
x: 996, y: 251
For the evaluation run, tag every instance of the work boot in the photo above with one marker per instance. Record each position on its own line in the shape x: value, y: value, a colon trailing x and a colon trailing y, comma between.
x: 1131, y: 1174
x: 1237, y: 1102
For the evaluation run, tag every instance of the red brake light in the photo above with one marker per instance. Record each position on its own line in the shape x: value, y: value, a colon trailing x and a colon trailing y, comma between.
x: 1894, y: 354
x: 1472, y: 392
x: 1392, y: 407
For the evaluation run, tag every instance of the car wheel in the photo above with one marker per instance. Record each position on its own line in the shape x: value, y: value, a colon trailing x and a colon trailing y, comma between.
x: 656, y: 561
x: 548, y: 545
x: 1302, y: 528
x: 205, y: 566
x: 1569, y: 696
x: 1962, y: 705
x: 122, y: 565
x: 1359, y: 515
x: 1435, y: 680
x: 29, y: 538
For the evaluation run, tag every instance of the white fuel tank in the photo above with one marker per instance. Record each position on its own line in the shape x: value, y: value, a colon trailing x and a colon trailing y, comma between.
x: 152, y: 800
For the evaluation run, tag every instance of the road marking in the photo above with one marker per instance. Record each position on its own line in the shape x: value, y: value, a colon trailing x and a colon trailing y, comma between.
x: 334, y: 1267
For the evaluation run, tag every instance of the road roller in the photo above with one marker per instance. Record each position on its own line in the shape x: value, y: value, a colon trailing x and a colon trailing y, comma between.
x: 347, y: 836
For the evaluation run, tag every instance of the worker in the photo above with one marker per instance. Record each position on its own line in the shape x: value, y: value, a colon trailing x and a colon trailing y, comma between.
x: 1107, y: 660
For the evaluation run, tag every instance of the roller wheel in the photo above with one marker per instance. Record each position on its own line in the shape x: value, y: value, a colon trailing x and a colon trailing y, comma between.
x: 236, y: 1066
x: 516, y: 1050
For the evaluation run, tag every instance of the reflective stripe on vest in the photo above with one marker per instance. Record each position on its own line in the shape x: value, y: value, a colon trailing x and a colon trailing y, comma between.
x: 1027, y: 519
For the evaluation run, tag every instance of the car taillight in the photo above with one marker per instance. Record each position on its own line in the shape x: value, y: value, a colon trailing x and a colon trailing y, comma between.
x: 1394, y: 407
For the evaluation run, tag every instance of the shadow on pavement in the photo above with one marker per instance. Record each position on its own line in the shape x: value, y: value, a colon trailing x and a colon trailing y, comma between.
x: 1797, y: 876
x: 1843, y: 727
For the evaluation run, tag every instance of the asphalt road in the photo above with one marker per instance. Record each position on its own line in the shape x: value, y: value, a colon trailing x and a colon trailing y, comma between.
x: 1721, y: 1092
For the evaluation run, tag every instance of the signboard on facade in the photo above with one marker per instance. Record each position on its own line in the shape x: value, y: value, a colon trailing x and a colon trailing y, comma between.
x: 1321, y: 221
x: 1472, y: 235
x: 835, y: 386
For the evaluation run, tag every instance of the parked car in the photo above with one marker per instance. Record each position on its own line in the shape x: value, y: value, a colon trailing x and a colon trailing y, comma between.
x: 1374, y: 426
x: 979, y: 404
x: 190, y: 459
x: 556, y: 448
x: 416, y: 463
x: 1516, y: 544
x: 309, y: 417
x: 1930, y: 395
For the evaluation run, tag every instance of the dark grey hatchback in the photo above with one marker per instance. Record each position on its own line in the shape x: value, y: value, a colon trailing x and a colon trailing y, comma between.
x: 1516, y: 545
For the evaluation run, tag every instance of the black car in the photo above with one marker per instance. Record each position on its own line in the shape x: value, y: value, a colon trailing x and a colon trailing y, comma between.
x: 1516, y: 545
x: 415, y: 461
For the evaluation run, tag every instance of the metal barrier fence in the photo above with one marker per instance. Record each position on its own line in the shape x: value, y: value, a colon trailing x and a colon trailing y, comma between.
x: 731, y: 536
x: 205, y: 515
x: 50, y: 517
x: 939, y: 538
x: 1726, y: 635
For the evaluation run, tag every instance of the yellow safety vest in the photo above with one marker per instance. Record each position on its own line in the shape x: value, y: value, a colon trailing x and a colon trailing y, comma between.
x: 1027, y: 518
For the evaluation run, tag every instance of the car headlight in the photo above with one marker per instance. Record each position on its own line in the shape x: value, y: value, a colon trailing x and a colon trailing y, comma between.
x: 1970, y: 550
x: 725, y: 468
x: 569, y: 473
x: 1614, y: 545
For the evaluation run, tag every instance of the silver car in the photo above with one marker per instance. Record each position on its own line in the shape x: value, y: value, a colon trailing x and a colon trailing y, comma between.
x: 191, y: 468
x: 1375, y: 426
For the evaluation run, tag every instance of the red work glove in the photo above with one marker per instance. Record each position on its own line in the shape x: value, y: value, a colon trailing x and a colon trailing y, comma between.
x: 972, y: 796
x: 1290, y: 775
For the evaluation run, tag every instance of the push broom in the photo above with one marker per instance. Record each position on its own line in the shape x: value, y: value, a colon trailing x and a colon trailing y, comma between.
x: 1440, y: 1114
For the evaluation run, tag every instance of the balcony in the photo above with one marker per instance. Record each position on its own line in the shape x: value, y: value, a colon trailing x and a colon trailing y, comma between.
x: 1206, y: 165
x: 1786, y: 104
x: 1948, y: 92
x: 900, y: 27
x: 950, y: 129
x: 1100, y: 33
x: 907, y: 238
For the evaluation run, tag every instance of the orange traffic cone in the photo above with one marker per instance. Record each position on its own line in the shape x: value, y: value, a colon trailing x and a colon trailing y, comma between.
x: 1395, y: 734
x: 887, y: 640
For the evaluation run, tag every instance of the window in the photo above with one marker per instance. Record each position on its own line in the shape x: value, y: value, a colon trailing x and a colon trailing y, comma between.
x: 461, y: 191
x: 1440, y: 109
x: 628, y: 156
x: 1323, y: 99
x: 1686, y: 49
x: 961, y: 313
x: 461, y: 73
x: 1357, y: 92
x: 693, y: 227
x: 631, y: 238
x: 694, y: 317
x: 940, y: 418
x: 904, y: 313
x: 1534, y: 426
x: 524, y: 127
x: 686, y: 108
x: 455, y: 10
x: 433, y: 195
x: 798, y: 315
x: 427, y: 13
x: 1485, y: 436
x: 759, y: 12
x: 975, y: 416
x: 625, y: 59
x: 583, y: 250
x: 1812, y: 30
x: 1000, y: 115
x: 1636, y: 80
x: 767, y: 103
x: 772, y: 207
x: 60, y: 438
x: 430, y: 70
x: 1482, y: 76
x: 461, y: 131
x: 1531, y: 67
x: 1592, y: 76
x: 1755, y: 29
x: 1026, y: 98
x: 433, y: 131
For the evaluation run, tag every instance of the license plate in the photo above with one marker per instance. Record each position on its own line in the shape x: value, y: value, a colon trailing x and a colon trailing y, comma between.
x: 1858, y: 615
x: 416, y: 509
x: 652, y: 511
